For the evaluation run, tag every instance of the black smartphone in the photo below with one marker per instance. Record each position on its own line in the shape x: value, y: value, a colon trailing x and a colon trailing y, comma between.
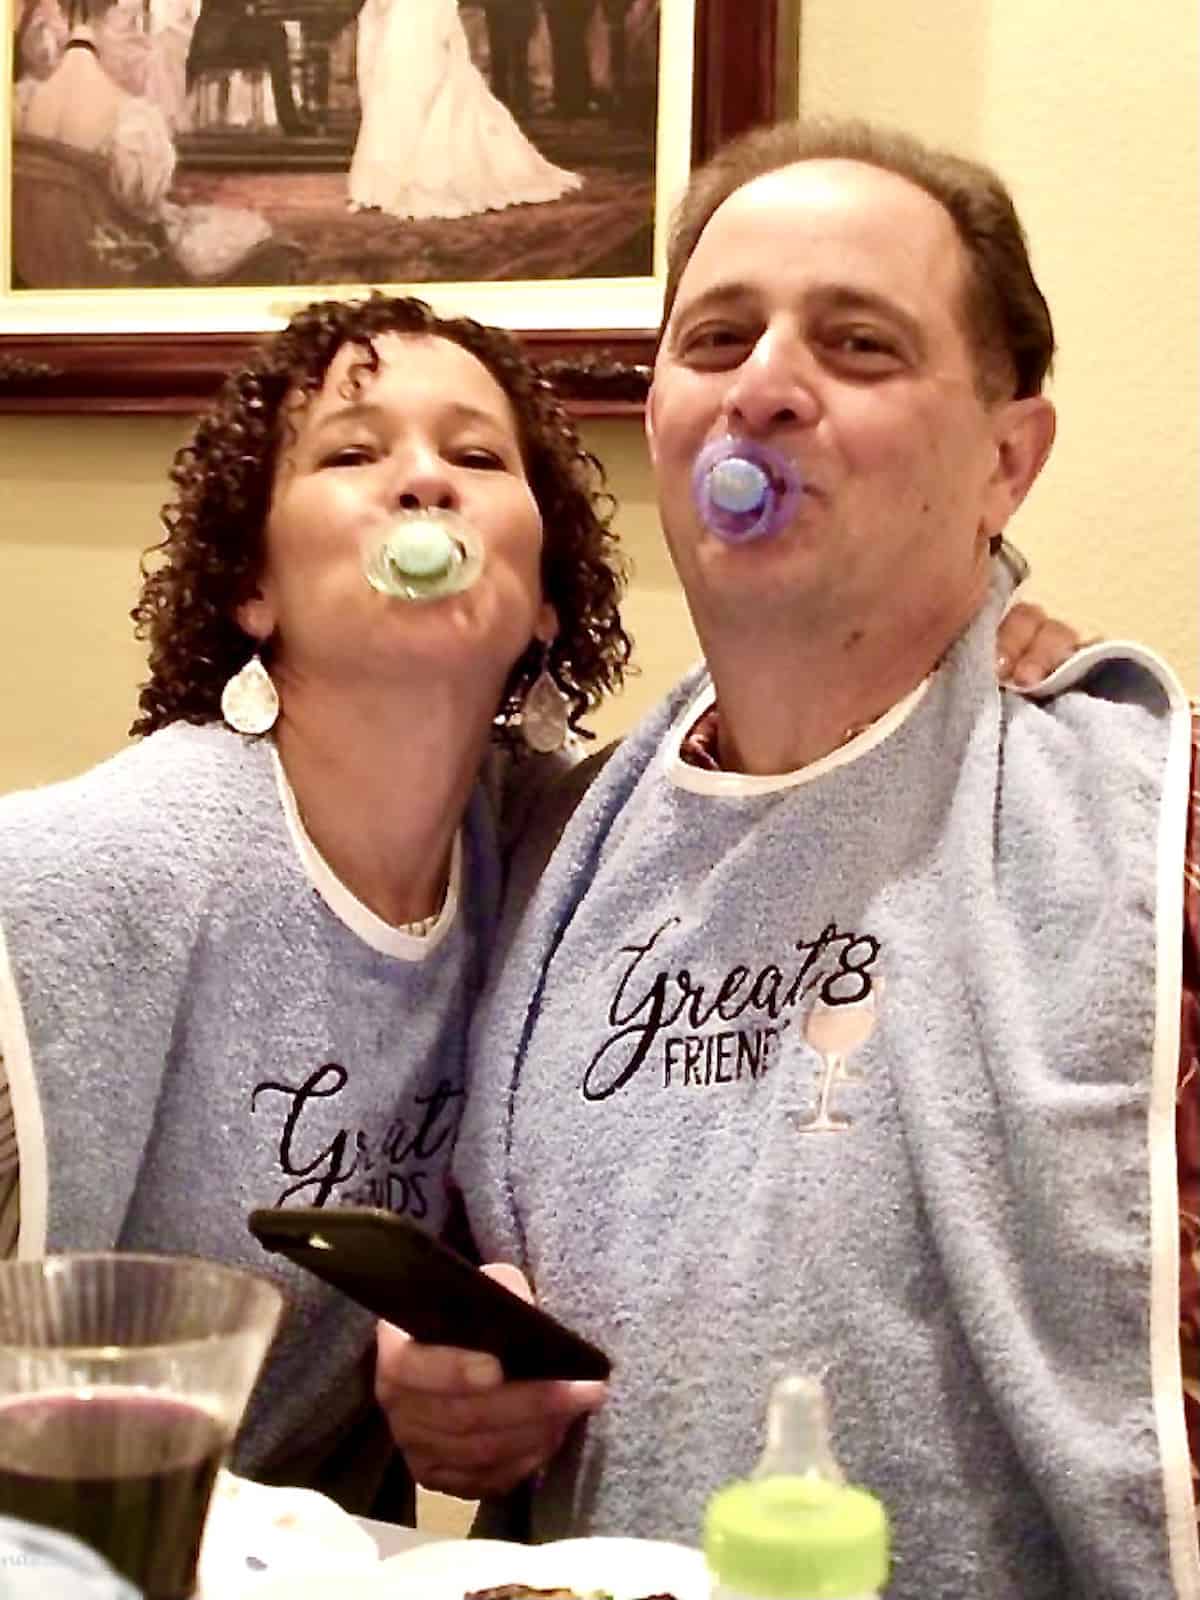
x: 404, y: 1275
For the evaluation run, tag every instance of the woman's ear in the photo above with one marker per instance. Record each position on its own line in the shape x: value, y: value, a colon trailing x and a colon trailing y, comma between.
x: 256, y: 617
x: 545, y: 629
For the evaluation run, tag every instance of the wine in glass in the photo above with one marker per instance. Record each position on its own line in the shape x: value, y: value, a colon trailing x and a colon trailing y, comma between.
x: 123, y: 1379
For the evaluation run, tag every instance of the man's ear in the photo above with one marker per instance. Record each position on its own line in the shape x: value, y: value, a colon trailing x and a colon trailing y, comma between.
x: 1024, y: 433
x: 648, y: 424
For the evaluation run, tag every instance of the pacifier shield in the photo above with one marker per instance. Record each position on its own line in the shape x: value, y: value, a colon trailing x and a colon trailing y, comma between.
x: 745, y: 490
x: 423, y: 555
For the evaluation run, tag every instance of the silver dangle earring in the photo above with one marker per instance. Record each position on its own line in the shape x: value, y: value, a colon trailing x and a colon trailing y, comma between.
x: 544, y: 724
x: 249, y: 701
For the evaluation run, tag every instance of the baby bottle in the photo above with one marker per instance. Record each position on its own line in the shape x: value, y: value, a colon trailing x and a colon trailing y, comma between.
x: 423, y: 554
x: 794, y: 1530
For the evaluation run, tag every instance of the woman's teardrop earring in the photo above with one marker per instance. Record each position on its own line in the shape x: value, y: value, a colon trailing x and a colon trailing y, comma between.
x: 544, y: 724
x: 249, y: 701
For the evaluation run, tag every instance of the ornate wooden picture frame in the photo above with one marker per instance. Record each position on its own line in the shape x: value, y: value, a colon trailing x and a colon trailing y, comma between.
x: 743, y: 72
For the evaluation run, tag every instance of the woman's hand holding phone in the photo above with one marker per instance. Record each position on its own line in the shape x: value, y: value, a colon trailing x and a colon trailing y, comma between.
x: 463, y: 1427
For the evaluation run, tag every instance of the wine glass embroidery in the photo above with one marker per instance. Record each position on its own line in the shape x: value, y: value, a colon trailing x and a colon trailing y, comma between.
x: 835, y: 1032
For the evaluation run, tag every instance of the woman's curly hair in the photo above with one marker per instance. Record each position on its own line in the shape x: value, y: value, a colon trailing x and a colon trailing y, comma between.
x: 211, y: 555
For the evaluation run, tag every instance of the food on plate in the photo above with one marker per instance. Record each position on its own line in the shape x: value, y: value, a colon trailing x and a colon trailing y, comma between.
x: 522, y: 1591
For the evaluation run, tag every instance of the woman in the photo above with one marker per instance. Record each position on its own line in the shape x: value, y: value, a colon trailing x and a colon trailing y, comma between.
x: 235, y: 968
x: 87, y: 103
x: 434, y: 141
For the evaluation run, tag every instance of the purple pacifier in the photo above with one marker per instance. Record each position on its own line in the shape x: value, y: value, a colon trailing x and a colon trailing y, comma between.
x: 744, y: 490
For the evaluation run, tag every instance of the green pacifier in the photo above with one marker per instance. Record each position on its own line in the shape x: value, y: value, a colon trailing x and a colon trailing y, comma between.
x: 424, y: 554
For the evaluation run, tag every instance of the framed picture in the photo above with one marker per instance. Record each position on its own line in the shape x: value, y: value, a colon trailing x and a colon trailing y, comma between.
x: 178, y: 176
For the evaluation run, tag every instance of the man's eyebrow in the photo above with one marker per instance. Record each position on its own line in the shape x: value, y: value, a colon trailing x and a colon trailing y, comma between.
x: 720, y: 297
x: 848, y: 297
x: 735, y: 295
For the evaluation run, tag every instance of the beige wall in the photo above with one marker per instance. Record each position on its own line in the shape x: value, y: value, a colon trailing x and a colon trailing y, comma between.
x: 1088, y: 106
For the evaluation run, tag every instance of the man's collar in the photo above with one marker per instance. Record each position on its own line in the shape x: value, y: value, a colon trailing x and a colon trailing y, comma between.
x: 701, y: 744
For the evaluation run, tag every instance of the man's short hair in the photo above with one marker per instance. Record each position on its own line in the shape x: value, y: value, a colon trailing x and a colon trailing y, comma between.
x: 1005, y: 313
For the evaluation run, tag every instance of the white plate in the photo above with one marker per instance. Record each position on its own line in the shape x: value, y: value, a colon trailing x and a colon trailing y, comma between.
x: 624, y: 1568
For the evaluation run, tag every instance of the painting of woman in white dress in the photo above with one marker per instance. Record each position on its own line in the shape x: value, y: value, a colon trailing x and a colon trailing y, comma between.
x: 434, y: 141
x: 359, y: 141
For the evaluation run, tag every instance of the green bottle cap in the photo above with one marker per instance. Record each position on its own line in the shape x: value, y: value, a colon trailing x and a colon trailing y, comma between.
x: 797, y: 1536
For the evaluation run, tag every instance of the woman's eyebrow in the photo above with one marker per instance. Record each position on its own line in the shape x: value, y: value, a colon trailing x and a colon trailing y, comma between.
x: 352, y: 411
x: 460, y: 411
x: 457, y: 412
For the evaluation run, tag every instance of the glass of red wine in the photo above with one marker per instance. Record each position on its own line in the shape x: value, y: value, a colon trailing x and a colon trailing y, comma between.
x: 123, y: 1379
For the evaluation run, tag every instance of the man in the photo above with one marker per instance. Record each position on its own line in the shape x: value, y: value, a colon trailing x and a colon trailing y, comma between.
x: 229, y: 34
x: 510, y: 25
x: 856, y: 981
x: 568, y: 22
